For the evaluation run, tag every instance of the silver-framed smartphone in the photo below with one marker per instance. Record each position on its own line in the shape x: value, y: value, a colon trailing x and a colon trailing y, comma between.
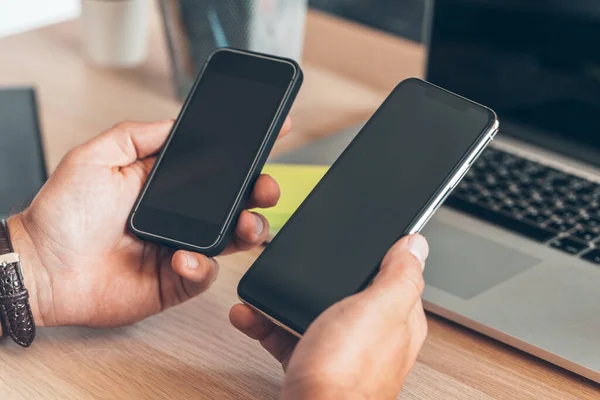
x: 387, y: 183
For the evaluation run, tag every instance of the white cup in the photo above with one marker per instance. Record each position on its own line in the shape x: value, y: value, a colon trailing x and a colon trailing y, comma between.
x: 115, y: 32
x: 277, y: 27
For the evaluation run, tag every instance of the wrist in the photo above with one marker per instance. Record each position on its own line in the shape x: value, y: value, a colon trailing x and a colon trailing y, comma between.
x: 33, y: 269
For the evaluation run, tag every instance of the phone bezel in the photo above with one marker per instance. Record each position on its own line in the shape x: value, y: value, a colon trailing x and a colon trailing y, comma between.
x: 283, y: 108
x: 424, y: 214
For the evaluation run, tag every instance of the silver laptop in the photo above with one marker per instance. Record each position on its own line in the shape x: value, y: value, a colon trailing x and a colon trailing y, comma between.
x: 515, y: 253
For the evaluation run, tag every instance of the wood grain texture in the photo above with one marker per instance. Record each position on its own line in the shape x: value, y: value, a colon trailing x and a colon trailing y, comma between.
x: 192, y: 351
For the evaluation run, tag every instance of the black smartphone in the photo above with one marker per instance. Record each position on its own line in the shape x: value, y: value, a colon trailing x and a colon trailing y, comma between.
x: 206, y: 171
x: 386, y: 184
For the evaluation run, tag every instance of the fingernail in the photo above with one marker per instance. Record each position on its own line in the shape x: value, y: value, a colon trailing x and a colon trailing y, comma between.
x: 418, y: 247
x: 259, y: 224
x: 192, y: 262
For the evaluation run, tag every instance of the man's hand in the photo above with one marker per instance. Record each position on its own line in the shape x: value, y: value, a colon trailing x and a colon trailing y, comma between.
x: 82, y: 267
x: 360, y: 348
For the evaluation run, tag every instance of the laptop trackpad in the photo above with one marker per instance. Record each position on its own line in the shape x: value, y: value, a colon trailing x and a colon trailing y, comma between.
x: 466, y: 265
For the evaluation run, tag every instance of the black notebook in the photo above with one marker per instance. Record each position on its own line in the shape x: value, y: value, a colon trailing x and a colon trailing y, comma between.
x: 22, y: 165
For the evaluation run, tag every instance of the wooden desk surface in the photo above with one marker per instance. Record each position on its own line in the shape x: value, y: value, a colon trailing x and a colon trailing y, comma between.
x: 192, y: 351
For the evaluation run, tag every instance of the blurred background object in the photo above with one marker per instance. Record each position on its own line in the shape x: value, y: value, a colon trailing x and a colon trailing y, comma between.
x: 399, y: 17
x: 20, y: 15
x: 20, y: 149
x: 115, y: 33
x: 272, y: 26
x: 277, y: 27
x: 195, y: 28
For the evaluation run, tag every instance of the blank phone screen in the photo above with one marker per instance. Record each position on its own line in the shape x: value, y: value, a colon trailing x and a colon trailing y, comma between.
x: 333, y: 244
x: 213, y: 148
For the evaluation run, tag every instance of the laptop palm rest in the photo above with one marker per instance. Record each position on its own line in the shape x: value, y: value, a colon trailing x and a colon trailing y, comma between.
x: 466, y: 265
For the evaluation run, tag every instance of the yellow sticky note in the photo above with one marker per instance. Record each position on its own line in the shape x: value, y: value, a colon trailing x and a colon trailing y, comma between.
x: 296, y: 181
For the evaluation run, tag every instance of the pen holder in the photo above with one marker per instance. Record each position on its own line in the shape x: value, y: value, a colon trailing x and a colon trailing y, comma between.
x: 195, y: 28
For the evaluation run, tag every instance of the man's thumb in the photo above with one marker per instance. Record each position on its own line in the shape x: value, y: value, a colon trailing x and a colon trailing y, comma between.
x: 400, y: 279
x: 415, y: 244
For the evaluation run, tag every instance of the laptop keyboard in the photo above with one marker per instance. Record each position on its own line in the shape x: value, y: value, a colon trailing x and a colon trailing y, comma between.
x: 533, y: 200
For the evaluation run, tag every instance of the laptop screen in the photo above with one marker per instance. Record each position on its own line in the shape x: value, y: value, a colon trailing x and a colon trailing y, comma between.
x: 536, y: 63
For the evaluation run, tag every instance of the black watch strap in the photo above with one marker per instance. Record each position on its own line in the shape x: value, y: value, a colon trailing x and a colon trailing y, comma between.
x: 15, y: 311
